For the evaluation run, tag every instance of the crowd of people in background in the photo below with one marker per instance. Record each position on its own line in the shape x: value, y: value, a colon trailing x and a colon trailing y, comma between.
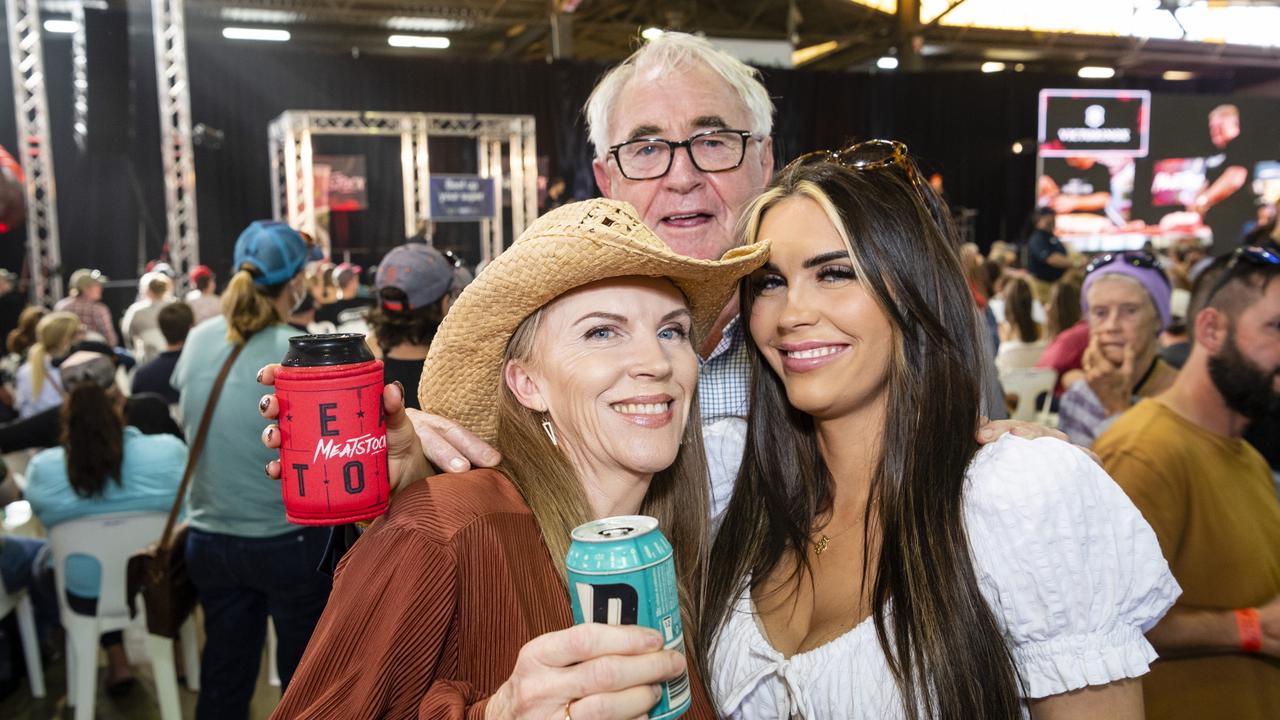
x: 1163, y: 361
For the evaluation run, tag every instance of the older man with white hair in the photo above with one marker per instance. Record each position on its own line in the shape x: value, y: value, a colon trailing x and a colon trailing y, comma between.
x: 681, y: 130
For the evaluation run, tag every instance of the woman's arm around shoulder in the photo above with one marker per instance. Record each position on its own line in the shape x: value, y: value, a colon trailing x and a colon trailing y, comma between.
x: 1071, y: 570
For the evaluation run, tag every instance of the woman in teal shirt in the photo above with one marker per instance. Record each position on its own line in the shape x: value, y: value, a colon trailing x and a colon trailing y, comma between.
x: 102, y: 466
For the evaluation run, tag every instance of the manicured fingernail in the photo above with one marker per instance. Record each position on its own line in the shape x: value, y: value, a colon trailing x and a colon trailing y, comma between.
x: 399, y: 385
x: 260, y: 372
x: 264, y: 403
x: 458, y: 464
x: 271, y: 433
x: 267, y: 469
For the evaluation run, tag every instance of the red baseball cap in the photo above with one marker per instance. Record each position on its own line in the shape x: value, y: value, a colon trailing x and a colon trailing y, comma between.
x: 200, y: 271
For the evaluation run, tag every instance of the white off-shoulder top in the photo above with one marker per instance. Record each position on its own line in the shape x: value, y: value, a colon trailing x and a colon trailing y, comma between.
x: 1072, y: 572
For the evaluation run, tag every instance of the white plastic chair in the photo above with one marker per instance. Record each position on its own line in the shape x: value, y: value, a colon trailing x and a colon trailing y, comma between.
x: 111, y: 540
x: 1029, y: 384
x: 20, y: 602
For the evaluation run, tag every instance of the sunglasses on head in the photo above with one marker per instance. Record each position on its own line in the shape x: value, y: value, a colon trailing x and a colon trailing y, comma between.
x: 866, y: 155
x: 1133, y: 258
x: 869, y: 155
x: 1250, y: 255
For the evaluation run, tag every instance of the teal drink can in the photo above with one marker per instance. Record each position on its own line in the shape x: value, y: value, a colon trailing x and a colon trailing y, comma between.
x: 621, y: 572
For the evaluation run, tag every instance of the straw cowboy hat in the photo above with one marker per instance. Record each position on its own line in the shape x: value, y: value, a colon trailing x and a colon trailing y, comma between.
x: 567, y: 248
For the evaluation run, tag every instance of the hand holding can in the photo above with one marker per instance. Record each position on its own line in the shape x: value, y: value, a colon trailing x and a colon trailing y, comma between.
x: 333, y: 435
x: 622, y: 572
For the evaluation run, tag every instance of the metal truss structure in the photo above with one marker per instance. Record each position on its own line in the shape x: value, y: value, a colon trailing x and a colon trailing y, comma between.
x: 498, y: 137
x: 79, y: 79
x: 34, y: 152
x: 168, y: 28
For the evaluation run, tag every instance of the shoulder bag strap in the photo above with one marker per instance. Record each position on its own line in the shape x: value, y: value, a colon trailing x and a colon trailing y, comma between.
x: 193, y: 454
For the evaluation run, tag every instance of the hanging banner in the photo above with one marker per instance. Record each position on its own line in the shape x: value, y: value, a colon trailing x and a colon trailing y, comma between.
x: 347, y: 184
x: 457, y: 198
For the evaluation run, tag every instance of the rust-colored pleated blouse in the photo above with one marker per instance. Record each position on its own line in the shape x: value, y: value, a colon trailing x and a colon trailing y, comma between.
x: 431, y: 607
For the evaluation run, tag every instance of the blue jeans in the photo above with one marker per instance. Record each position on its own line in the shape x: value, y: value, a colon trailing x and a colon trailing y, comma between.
x: 240, y: 581
x: 26, y: 563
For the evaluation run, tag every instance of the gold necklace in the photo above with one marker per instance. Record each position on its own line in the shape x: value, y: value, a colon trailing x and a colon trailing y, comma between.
x: 821, y: 544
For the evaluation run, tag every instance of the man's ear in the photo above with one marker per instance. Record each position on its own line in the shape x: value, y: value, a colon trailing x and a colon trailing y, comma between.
x: 1211, y: 327
x: 600, y: 168
x: 524, y: 386
x: 766, y: 159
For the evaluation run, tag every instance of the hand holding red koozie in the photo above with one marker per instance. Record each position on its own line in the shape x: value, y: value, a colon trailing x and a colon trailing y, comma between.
x: 333, y: 431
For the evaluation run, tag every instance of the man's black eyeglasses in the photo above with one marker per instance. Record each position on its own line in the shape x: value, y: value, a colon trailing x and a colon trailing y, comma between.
x: 1134, y: 258
x: 711, y: 151
x: 1254, y: 255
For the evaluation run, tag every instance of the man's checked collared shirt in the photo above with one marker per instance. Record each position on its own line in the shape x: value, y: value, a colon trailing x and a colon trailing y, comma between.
x: 724, y: 381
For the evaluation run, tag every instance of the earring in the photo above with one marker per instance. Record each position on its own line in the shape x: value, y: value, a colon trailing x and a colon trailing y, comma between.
x: 548, y: 429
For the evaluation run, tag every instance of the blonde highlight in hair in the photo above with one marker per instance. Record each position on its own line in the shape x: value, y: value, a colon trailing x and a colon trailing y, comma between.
x: 678, y: 496
x: 248, y: 307
x: 54, y: 334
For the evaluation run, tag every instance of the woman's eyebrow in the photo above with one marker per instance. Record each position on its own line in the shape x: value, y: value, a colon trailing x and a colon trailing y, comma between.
x: 817, y: 260
x: 611, y: 317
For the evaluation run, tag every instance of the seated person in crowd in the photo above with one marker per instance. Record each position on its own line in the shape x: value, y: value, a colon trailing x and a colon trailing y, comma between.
x: 347, y: 313
x: 1066, y: 331
x: 102, y: 466
x: 1126, y: 302
x: 21, y: 338
x: 1021, y: 343
x: 38, y: 385
x: 1175, y: 341
x: 414, y: 287
x: 23, y: 567
x: 175, y: 320
x: 146, y: 411
x: 1209, y: 496
x: 140, y: 324
x: 574, y: 354
x: 85, y: 301
x: 304, y: 315
x: 203, y: 297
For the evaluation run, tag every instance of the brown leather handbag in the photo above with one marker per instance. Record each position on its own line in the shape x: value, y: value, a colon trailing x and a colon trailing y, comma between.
x: 159, y: 572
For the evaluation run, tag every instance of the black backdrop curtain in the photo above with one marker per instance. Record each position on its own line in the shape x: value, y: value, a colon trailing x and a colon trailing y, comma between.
x: 111, y: 207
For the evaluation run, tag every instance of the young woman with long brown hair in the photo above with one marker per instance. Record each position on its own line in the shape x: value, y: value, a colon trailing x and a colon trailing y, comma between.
x: 1021, y: 338
x: 873, y: 561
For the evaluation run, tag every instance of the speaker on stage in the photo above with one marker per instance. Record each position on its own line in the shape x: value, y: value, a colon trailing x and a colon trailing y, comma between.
x: 109, y: 121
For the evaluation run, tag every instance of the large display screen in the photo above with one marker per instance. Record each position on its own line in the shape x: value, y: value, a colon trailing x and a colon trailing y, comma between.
x: 1204, y: 169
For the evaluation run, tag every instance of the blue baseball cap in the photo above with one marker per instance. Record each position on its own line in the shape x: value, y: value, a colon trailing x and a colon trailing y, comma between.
x: 275, y: 250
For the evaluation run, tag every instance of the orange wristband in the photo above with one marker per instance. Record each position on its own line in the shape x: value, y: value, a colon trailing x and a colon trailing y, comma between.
x: 1250, y: 630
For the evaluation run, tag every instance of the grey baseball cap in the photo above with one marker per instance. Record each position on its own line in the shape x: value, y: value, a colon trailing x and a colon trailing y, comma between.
x: 417, y: 270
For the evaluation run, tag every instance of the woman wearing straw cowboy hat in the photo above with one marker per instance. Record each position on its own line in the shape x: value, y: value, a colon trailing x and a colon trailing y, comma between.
x: 573, y: 353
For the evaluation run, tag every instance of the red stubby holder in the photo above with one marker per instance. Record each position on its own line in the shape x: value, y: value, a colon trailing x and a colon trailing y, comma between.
x: 333, y: 431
